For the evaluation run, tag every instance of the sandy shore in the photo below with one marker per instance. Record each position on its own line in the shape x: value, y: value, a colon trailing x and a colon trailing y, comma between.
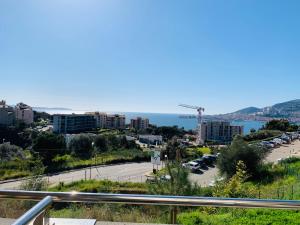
x: 285, y: 151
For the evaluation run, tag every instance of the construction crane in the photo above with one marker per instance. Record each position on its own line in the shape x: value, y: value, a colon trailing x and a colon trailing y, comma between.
x: 200, y: 111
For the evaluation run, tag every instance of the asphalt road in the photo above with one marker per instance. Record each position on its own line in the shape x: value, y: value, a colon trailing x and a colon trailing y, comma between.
x: 135, y: 172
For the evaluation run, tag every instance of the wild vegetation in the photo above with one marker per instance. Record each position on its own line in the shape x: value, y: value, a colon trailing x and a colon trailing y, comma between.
x: 284, y: 181
x: 56, y: 155
x: 251, y: 155
x: 282, y: 125
x: 272, y: 129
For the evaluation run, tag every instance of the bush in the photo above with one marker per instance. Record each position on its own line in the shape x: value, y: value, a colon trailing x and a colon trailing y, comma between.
x: 245, y: 217
x: 251, y: 155
x: 193, y: 218
x: 48, y: 145
x: 81, y: 146
x: 9, y: 152
x: 282, y: 125
x: 101, y: 143
x: 178, y: 184
x: 261, y: 135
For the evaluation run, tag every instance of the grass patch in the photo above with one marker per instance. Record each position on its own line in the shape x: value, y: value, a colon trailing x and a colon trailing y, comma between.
x: 196, y: 152
x: 110, y: 157
x: 237, y: 217
x: 105, y: 186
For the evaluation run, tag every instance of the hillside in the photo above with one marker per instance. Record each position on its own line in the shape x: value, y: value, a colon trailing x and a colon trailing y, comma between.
x: 289, y: 109
x: 249, y: 110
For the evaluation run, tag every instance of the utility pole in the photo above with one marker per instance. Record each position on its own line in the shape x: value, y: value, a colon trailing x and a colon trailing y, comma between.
x: 91, y: 163
x: 91, y: 171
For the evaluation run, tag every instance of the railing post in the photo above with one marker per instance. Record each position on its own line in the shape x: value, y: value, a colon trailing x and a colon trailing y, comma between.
x: 35, y: 214
x: 39, y: 220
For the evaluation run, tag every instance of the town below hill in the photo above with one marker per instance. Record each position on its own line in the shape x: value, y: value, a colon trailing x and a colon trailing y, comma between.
x: 287, y: 110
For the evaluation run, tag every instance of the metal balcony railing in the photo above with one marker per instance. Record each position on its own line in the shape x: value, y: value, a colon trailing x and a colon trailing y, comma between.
x: 36, y: 214
x: 46, y: 198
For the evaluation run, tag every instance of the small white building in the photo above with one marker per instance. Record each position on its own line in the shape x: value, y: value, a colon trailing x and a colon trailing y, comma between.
x: 151, y: 139
x: 24, y: 113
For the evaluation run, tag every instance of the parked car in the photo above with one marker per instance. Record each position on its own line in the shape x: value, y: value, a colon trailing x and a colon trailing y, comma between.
x: 202, y: 164
x: 150, y: 179
x: 278, y: 141
x: 192, y: 165
x: 209, y: 159
x: 274, y: 143
x: 286, y: 138
x: 165, y: 178
x: 267, y: 144
x: 284, y: 141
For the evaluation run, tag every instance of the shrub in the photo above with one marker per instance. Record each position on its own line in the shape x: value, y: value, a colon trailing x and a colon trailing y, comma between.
x: 251, y: 155
x: 9, y: 152
x: 81, y: 146
x: 261, y: 135
x: 101, y: 143
x: 193, y: 218
x: 48, y: 145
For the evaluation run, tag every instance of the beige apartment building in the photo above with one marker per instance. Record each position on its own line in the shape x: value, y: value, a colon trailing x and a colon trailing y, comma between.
x: 100, y: 118
x: 24, y: 113
x: 104, y: 120
x: 139, y: 123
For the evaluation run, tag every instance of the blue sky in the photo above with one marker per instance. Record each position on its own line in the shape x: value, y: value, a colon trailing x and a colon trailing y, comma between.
x: 149, y: 55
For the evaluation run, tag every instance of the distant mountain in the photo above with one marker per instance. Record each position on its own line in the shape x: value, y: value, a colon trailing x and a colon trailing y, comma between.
x: 290, y: 110
x: 47, y: 108
x: 290, y: 107
x: 249, y: 110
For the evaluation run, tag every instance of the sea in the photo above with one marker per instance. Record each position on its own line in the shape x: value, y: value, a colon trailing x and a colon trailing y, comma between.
x: 163, y: 119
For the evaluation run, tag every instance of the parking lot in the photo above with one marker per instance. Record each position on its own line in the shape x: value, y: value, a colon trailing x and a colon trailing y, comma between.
x: 284, y: 151
x: 276, y: 154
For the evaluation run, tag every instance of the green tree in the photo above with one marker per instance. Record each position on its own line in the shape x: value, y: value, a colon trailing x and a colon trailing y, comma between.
x: 9, y: 152
x: 234, y: 187
x: 48, y: 145
x: 171, y: 149
x: 101, y: 143
x: 252, y: 130
x: 124, y: 143
x: 113, y: 142
x: 81, y: 146
x: 178, y: 184
x: 282, y: 125
x: 169, y: 132
x: 239, y: 150
x: 36, y: 182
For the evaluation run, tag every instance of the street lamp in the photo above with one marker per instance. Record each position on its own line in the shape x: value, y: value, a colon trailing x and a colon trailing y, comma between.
x: 93, y: 143
x: 166, y: 157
